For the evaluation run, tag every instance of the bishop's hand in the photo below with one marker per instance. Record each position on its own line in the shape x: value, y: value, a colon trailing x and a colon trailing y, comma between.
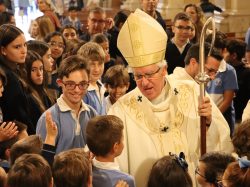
x: 205, y: 110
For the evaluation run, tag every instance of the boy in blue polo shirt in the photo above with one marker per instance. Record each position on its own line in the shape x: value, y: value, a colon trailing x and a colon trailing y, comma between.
x: 104, y: 136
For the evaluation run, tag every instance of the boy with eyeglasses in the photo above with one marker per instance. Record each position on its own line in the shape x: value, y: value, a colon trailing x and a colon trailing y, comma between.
x: 223, y: 88
x: 70, y: 113
x: 178, y: 46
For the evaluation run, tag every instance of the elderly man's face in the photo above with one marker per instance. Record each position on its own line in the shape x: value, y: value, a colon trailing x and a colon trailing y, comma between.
x: 149, y: 6
x: 96, y: 23
x: 150, y: 80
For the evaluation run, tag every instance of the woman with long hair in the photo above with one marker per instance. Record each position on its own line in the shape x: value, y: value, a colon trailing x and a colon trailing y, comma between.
x: 45, y: 26
x: 48, y: 9
x: 14, y: 102
x: 36, y: 78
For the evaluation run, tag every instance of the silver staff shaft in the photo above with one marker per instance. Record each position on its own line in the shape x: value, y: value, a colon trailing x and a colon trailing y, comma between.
x: 202, y: 78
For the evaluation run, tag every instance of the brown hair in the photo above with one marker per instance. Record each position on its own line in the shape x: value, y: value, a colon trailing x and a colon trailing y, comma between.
x: 30, y: 144
x: 8, y: 143
x: 30, y: 170
x: 45, y: 26
x: 102, y: 132
x: 200, y: 17
x: 241, y: 139
x: 216, y: 163
x: 168, y: 172
x: 71, y: 64
x: 116, y: 75
x: 99, y: 38
x: 72, y: 46
x: 181, y: 16
x: 93, y: 52
x: 71, y: 168
x: 35, y: 90
x: 236, y: 176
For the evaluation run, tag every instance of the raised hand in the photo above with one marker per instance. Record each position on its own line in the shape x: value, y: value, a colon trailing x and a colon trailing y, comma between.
x: 51, y: 128
x: 8, y: 131
x: 121, y: 183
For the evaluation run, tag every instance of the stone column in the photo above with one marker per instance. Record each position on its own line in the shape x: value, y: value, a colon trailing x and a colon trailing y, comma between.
x: 235, y: 18
x: 173, y: 7
x: 130, y: 5
x: 162, y: 8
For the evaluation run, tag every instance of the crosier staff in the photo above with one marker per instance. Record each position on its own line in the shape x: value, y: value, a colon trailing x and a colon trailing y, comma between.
x: 202, y: 78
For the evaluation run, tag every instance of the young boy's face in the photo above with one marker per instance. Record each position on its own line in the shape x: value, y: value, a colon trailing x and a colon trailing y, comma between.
x: 182, y: 30
x: 73, y: 14
x: 96, y: 70
x: 73, y: 87
x: 116, y: 92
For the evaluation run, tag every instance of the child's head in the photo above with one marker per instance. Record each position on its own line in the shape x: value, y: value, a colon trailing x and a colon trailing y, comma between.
x: 72, y: 168
x: 30, y: 144
x: 241, y: 139
x: 72, y: 11
x: 43, y: 49
x: 6, y: 145
x: 73, y: 78
x: 103, y: 41
x: 237, y: 174
x: 3, y: 81
x: 57, y: 44
x: 235, y: 51
x: 116, y: 80
x: 7, y: 18
x: 33, y: 29
x: 104, y: 136
x: 69, y: 32
x: 96, y: 58
x: 11, y: 35
x: 169, y: 171
x: 35, y: 69
x: 72, y: 46
x: 120, y: 18
x: 220, y: 40
x: 30, y: 170
x: 45, y: 26
x: 182, y: 27
x: 211, y: 167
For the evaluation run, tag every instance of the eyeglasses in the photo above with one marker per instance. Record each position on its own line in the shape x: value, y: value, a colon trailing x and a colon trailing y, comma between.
x: 146, y: 75
x: 99, y: 21
x: 211, y: 71
x: 188, y: 28
x: 198, y: 173
x: 70, y: 85
x: 55, y: 44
